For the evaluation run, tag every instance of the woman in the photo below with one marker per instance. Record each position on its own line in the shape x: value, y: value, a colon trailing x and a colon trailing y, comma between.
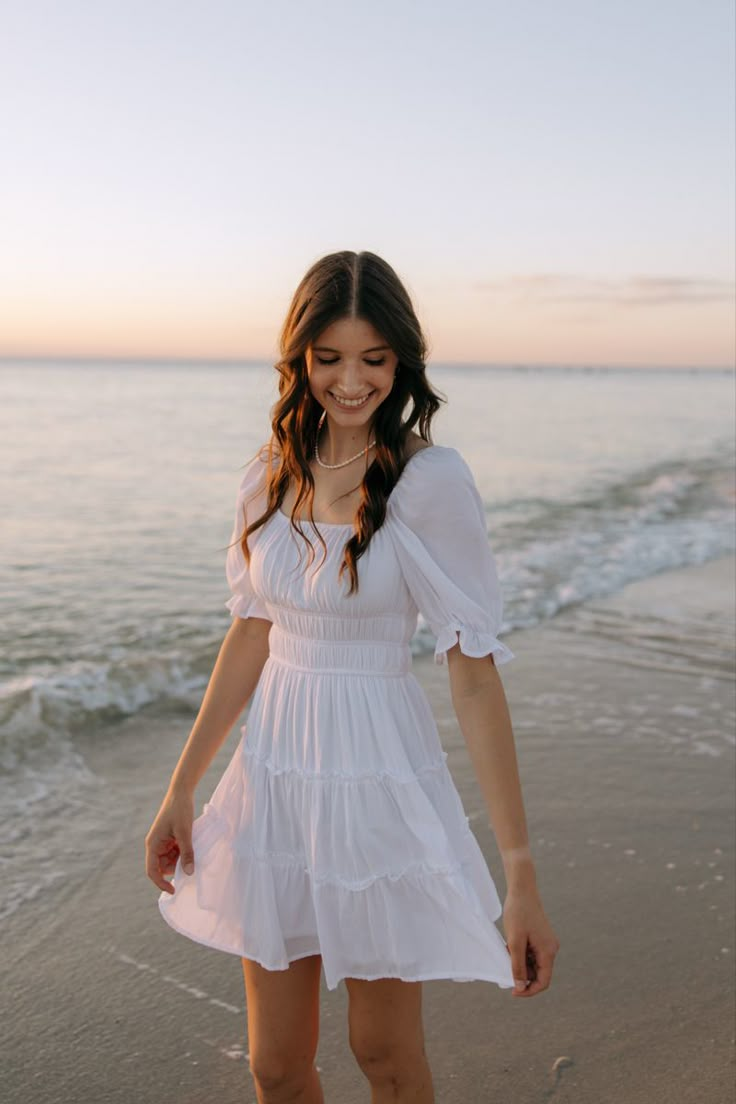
x: 336, y: 836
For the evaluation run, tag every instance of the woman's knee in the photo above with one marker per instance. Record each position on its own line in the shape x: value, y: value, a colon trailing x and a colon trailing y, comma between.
x: 385, y: 1030
x: 283, y: 1026
x: 283, y: 1068
x: 281, y: 1078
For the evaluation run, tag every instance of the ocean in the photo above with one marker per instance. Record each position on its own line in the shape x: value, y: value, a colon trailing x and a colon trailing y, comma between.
x: 117, y: 489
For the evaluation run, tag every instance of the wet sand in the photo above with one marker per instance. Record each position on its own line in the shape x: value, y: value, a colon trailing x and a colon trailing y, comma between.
x: 624, y: 715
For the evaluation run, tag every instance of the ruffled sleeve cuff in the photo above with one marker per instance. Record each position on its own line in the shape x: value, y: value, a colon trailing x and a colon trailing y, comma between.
x: 472, y: 643
x: 243, y: 601
x: 241, y: 605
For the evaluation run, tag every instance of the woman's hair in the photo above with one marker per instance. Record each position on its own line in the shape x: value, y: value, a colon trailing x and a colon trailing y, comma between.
x: 360, y: 286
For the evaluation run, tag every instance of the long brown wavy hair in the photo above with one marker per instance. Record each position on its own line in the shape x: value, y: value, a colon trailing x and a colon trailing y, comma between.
x: 346, y: 285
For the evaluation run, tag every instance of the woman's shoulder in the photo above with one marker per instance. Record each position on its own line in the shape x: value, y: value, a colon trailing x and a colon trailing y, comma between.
x: 445, y: 455
x: 432, y: 476
x: 260, y: 461
x: 439, y: 459
x: 253, y: 474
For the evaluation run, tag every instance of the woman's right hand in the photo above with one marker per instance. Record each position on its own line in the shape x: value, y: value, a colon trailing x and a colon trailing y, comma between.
x: 170, y: 837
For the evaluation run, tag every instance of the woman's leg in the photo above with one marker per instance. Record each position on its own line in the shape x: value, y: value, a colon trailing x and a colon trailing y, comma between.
x: 283, y: 1030
x: 387, y: 1039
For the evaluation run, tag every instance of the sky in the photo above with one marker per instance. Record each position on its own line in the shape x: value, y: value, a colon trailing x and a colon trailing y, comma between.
x: 553, y: 182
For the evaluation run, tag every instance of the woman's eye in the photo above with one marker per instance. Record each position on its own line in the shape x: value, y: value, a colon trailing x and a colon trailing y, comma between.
x: 373, y: 363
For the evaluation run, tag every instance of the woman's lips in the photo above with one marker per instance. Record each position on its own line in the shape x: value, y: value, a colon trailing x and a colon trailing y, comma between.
x: 351, y: 406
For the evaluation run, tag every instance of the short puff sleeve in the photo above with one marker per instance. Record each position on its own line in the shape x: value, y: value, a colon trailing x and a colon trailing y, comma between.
x: 438, y: 526
x: 250, y: 502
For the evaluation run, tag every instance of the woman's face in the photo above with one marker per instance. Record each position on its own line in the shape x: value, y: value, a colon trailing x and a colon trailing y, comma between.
x: 350, y: 360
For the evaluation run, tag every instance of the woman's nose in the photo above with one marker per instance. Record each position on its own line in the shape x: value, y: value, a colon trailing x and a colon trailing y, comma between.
x: 351, y: 380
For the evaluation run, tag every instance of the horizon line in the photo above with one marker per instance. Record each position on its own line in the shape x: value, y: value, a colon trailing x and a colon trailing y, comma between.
x: 87, y: 358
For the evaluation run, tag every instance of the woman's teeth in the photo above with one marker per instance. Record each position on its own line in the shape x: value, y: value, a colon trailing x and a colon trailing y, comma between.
x: 351, y: 402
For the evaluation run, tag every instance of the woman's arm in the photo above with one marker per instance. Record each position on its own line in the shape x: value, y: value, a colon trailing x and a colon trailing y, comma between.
x: 234, y: 678
x: 480, y: 705
x: 483, y: 715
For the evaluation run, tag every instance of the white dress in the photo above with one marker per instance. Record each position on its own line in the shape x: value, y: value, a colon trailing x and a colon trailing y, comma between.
x: 336, y: 828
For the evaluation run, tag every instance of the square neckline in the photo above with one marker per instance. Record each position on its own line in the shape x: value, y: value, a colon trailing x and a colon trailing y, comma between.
x: 351, y: 524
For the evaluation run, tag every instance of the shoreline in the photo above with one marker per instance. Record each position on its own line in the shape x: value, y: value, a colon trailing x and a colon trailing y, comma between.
x: 623, y: 710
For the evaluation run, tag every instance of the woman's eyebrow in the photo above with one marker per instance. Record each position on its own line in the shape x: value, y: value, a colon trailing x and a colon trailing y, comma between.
x: 327, y: 349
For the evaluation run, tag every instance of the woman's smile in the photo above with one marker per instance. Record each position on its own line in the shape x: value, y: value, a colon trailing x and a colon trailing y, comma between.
x: 351, y: 404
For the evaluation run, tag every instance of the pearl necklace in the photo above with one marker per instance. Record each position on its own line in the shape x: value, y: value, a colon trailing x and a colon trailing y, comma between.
x: 319, y: 459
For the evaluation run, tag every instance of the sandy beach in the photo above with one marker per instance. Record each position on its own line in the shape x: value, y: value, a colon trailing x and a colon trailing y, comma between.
x: 624, y: 716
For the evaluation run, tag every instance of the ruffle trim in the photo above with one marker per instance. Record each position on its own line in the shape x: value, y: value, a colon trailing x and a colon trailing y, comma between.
x: 493, y: 965
x: 214, y: 829
x: 472, y: 643
x: 251, y: 605
x: 343, y: 776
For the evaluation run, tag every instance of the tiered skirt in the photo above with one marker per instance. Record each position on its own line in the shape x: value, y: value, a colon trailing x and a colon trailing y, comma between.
x: 336, y: 829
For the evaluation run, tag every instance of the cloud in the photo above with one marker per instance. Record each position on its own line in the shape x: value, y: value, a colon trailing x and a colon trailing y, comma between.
x: 635, y: 291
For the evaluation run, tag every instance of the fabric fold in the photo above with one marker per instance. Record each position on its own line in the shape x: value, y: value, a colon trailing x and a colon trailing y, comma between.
x: 262, y: 890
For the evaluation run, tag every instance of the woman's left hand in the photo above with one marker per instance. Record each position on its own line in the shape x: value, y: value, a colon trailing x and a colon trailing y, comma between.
x: 531, y: 942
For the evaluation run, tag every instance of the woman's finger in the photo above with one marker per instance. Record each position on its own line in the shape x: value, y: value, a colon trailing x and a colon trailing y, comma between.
x: 158, y: 863
x: 543, y: 972
x: 152, y: 870
x: 517, y: 949
x: 167, y: 863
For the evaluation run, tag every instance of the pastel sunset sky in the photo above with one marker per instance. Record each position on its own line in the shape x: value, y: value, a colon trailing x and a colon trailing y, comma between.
x: 553, y: 181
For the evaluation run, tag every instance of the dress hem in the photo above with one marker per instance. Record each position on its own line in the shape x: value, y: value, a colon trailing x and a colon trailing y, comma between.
x: 425, y: 976
x: 219, y: 946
